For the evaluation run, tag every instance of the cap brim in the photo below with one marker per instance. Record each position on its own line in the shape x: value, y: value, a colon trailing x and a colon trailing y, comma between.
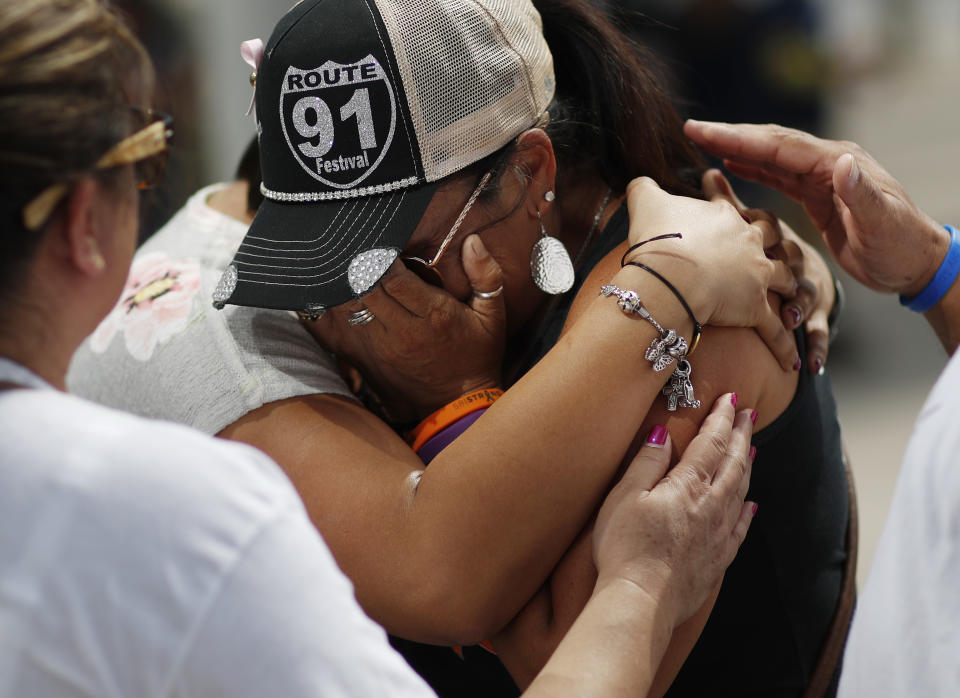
x: 295, y: 255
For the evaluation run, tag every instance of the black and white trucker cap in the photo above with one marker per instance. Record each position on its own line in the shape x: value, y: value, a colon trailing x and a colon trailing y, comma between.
x: 362, y: 107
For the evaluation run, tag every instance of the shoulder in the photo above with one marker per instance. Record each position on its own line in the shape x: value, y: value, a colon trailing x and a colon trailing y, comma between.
x: 165, y: 351
x: 118, y: 457
x: 132, y: 489
x: 134, y: 530
x: 726, y: 360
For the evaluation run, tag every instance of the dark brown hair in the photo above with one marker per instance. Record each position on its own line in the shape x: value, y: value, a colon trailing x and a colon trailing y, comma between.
x: 70, y: 71
x: 611, y: 117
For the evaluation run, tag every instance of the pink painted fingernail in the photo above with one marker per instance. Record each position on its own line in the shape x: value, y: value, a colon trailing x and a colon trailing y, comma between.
x: 795, y: 315
x: 817, y: 365
x: 753, y: 509
x: 733, y: 399
x: 797, y: 364
x: 753, y: 416
x: 753, y: 453
x: 658, y: 436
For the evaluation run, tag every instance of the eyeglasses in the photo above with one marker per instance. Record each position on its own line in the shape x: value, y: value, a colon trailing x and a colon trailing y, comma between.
x: 428, y: 270
x: 146, y: 149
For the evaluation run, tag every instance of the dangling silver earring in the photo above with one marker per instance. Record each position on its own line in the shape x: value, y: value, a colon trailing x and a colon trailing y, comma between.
x: 550, y: 263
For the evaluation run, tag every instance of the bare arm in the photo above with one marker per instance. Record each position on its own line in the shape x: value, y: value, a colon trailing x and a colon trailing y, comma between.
x: 728, y: 360
x: 615, y: 646
x: 438, y: 555
x: 662, y: 540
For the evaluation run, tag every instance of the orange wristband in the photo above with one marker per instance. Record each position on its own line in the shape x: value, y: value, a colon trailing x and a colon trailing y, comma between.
x: 450, y: 413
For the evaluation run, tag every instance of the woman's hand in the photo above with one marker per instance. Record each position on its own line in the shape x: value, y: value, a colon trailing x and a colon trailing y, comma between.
x: 719, y: 265
x: 661, y: 549
x: 673, y: 534
x: 423, y: 348
x: 816, y: 294
x: 869, y: 222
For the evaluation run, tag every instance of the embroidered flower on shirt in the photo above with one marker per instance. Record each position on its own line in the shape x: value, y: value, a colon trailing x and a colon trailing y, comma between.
x: 155, y: 305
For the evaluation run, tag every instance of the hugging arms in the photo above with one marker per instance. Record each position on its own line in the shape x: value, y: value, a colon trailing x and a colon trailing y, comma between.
x: 451, y: 553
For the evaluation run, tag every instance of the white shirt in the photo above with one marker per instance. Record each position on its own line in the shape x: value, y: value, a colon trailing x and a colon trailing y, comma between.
x: 146, y: 559
x: 165, y: 352
x: 905, y: 638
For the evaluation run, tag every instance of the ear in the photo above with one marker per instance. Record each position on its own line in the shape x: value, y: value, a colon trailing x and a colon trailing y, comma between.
x: 535, y: 155
x: 80, y: 235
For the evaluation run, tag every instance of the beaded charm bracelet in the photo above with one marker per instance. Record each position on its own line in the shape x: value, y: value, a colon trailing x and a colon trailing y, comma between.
x: 670, y: 346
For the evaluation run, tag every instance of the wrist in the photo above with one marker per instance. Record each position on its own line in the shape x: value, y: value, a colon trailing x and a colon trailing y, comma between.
x: 436, y: 397
x: 639, y: 591
x: 489, y: 382
x: 667, y: 261
x: 669, y: 348
x: 945, y: 263
x: 443, y: 427
x: 662, y: 303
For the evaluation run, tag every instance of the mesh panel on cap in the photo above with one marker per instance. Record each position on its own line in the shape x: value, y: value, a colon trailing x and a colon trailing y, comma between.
x: 476, y: 73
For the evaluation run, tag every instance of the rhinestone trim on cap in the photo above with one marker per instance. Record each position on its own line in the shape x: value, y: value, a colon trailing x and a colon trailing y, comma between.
x: 312, y: 196
x: 368, y: 267
x: 225, y: 287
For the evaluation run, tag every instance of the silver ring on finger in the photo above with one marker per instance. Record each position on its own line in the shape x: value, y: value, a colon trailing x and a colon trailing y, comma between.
x: 362, y: 317
x: 487, y: 295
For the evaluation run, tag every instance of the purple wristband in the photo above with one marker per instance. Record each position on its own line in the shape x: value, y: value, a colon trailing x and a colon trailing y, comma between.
x: 447, y: 436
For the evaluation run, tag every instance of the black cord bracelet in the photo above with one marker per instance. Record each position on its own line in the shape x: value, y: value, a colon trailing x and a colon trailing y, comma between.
x: 623, y: 259
x: 697, y: 327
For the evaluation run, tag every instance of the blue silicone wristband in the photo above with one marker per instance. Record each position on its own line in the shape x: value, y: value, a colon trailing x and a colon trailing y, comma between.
x: 942, y: 280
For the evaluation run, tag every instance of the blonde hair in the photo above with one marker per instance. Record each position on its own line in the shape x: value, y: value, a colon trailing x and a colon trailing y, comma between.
x: 70, y: 71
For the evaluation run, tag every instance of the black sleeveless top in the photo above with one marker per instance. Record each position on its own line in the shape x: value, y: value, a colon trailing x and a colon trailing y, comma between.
x: 779, y: 594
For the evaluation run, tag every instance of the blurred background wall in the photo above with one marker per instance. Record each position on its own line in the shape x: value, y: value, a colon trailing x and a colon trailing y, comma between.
x: 884, y: 73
